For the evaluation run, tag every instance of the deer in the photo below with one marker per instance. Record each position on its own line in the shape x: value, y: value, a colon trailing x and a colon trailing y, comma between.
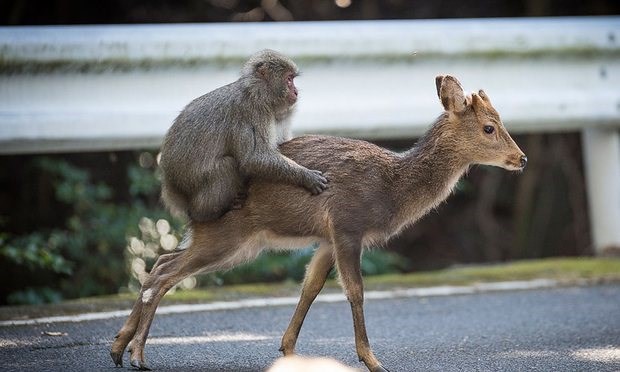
x: 373, y: 194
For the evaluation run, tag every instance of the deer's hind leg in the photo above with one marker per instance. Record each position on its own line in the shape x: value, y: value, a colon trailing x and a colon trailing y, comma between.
x: 316, y: 274
x: 126, y: 333
x: 203, y: 255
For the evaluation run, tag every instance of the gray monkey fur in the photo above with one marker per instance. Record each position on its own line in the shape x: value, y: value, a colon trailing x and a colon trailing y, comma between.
x: 229, y: 135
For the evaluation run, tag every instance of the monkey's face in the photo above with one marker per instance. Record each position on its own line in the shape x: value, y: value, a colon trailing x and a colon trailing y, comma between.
x: 290, y: 88
x: 276, y: 74
x: 283, y: 89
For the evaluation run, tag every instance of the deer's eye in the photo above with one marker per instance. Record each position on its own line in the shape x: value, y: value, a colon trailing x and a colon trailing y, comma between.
x: 488, y: 129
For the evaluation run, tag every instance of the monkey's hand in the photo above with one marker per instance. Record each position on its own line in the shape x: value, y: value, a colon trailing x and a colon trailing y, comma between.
x: 315, y: 181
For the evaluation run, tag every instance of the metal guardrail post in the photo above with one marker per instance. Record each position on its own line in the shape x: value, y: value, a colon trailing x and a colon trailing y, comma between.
x: 601, y: 154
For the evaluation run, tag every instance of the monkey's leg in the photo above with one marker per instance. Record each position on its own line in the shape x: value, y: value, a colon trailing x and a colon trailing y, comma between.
x: 215, y: 197
x: 128, y: 330
x: 175, y: 201
x: 204, y: 255
x: 348, y: 254
x: 316, y: 274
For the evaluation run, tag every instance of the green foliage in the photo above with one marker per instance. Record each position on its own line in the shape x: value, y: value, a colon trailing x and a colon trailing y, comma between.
x: 73, y: 185
x: 36, y: 252
x: 142, y: 181
x: 85, y: 256
x: 35, y: 296
x: 377, y: 262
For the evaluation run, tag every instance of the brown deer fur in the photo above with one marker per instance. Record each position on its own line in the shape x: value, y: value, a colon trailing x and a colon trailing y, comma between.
x: 373, y: 194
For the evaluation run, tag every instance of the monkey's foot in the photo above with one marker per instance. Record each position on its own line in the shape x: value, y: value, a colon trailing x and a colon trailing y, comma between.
x: 139, y: 364
x: 239, y: 201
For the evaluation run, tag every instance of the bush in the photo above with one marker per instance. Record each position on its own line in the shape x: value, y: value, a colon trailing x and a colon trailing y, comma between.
x: 85, y: 256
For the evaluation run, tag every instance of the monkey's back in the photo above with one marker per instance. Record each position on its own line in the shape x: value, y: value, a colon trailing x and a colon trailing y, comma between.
x: 199, y: 136
x: 200, y: 124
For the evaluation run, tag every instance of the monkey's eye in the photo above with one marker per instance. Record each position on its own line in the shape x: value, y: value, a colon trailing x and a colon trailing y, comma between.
x: 488, y: 129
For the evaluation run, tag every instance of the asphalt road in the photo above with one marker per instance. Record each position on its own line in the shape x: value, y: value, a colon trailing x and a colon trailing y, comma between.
x: 561, y: 329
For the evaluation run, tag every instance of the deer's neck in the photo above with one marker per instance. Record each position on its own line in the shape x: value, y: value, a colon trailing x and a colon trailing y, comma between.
x: 429, y: 171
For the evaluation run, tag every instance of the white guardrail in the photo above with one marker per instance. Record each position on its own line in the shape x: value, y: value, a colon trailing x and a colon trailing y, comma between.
x: 89, y: 88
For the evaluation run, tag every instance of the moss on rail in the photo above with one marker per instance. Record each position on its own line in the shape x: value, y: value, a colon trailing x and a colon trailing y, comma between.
x: 10, y: 64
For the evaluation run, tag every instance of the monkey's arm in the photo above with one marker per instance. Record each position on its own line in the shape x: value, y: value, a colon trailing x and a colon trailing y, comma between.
x: 259, y: 157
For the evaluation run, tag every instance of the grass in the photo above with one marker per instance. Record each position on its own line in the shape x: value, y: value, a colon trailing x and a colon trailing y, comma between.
x: 565, y: 270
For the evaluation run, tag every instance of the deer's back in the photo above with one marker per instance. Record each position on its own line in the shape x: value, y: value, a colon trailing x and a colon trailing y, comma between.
x: 343, y: 157
x: 360, y: 176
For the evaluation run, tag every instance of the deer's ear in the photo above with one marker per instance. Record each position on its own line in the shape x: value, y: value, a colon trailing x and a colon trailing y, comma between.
x: 450, y: 93
x: 438, y: 81
x: 484, y: 96
x: 480, y: 99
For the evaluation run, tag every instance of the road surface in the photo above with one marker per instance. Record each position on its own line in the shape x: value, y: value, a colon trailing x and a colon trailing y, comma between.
x: 559, y: 329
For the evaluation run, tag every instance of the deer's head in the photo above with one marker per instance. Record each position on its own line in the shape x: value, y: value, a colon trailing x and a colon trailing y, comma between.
x: 477, y: 130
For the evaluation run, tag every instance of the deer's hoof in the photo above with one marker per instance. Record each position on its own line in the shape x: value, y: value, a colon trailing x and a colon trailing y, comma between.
x: 117, y: 358
x: 379, y: 369
x: 286, y: 351
x: 140, y: 365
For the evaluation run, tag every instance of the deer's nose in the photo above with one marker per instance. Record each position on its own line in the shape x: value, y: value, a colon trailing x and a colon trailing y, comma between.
x: 523, y: 161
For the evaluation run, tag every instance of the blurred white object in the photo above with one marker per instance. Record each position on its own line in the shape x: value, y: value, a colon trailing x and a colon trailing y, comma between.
x: 300, y: 364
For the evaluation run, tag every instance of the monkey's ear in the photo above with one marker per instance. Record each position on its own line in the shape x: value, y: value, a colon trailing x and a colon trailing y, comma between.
x: 262, y: 70
x: 450, y: 93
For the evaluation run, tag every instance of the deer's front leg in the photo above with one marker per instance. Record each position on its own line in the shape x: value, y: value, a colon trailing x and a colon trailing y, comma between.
x: 348, y: 263
x: 316, y: 274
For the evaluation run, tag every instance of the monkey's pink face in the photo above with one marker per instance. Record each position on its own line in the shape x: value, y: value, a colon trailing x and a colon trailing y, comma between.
x: 291, y: 89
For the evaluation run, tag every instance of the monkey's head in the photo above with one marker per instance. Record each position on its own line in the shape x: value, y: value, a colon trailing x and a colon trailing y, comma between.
x: 274, y: 74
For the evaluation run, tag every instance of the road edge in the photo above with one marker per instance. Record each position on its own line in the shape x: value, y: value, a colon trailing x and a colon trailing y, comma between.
x: 435, y: 291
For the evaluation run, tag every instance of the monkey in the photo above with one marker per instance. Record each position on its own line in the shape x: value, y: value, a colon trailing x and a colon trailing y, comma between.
x: 230, y: 135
